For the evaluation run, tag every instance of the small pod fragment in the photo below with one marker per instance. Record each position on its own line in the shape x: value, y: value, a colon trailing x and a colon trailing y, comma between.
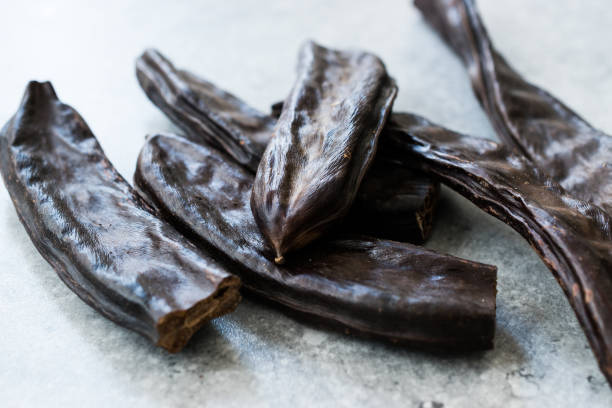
x: 573, y: 237
x: 102, y: 239
x: 394, y: 202
x: 324, y: 142
x: 541, y: 127
x: 386, y: 289
x: 401, y: 210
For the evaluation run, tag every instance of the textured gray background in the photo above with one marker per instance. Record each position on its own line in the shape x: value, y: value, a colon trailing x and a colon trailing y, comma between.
x: 56, y: 351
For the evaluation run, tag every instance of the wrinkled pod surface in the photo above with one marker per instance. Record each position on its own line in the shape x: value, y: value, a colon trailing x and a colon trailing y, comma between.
x: 105, y: 243
x: 386, y: 289
x: 572, y: 237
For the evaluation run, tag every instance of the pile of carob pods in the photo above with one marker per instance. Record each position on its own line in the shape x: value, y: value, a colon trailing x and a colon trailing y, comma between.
x: 312, y: 206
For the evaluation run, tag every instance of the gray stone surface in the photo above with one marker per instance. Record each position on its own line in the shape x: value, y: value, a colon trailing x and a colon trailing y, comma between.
x: 56, y: 351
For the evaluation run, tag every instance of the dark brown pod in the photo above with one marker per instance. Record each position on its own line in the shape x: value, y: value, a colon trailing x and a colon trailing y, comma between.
x: 203, y: 111
x: 102, y: 239
x: 393, y: 202
x: 541, y: 127
x: 324, y: 142
x: 402, y: 212
x: 386, y: 289
x: 573, y: 237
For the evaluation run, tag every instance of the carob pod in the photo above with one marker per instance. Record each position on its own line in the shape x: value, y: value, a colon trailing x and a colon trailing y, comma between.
x: 403, y: 211
x: 386, y: 289
x: 393, y: 201
x: 203, y: 111
x: 324, y: 142
x: 573, y: 237
x: 102, y: 239
x: 541, y: 127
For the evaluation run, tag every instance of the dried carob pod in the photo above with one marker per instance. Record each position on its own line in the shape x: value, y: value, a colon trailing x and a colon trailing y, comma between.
x: 541, y: 127
x: 573, y: 237
x: 203, y: 111
x: 403, y: 211
x: 381, y: 288
x: 102, y: 239
x: 393, y: 201
x: 324, y: 142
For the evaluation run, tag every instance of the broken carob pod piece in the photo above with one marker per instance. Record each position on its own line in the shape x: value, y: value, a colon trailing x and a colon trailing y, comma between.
x: 323, y: 144
x: 541, y: 127
x: 385, y: 289
x: 102, y: 239
x: 403, y: 212
x: 394, y: 202
x: 573, y: 237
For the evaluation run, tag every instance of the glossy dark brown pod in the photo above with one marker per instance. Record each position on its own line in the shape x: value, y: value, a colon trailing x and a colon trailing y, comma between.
x: 403, y: 212
x: 102, y: 239
x: 572, y: 237
x: 544, y: 129
x: 393, y: 201
x: 324, y: 142
x: 204, y: 111
x: 382, y: 288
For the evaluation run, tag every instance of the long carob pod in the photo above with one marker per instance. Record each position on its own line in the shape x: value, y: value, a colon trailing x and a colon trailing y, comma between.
x: 392, y: 202
x: 324, y: 142
x: 542, y: 128
x: 386, y: 289
x: 573, y: 237
x: 102, y: 239
x: 204, y: 111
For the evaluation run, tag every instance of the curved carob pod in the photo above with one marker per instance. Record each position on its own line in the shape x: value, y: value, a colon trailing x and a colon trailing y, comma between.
x: 542, y: 128
x: 102, y: 239
x: 203, y: 111
x: 324, y: 142
x: 573, y: 237
x: 387, y: 289
x: 403, y: 212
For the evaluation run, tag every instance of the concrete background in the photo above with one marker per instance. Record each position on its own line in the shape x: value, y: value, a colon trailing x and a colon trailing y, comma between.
x: 56, y: 351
